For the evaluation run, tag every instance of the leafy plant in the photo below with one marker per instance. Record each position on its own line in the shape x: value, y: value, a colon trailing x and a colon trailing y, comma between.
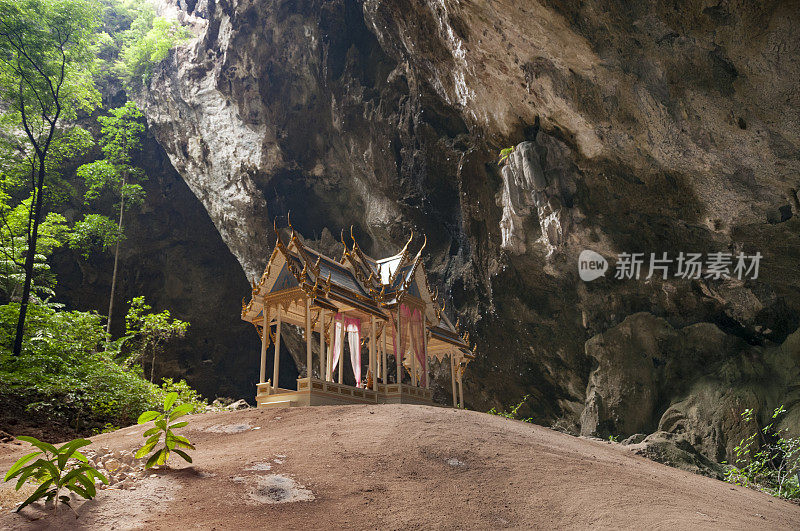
x: 514, y: 413
x: 768, y: 459
x: 613, y: 438
x: 147, y: 43
x: 150, y: 332
x: 94, y: 232
x: 162, y: 427
x: 56, y: 469
x: 505, y: 153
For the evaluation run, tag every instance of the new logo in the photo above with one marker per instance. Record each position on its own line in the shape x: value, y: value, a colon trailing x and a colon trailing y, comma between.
x: 591, y: 265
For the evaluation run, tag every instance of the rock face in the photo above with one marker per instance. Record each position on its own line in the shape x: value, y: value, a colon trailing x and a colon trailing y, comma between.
x: 646, y: 128
x: 530, y: 190
x: 690, y: 383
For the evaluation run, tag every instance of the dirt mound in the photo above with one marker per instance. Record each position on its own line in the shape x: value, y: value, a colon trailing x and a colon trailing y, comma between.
x: 398, y: 466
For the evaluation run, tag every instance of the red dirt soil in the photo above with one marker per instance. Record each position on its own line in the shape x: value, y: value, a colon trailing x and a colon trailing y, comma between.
x: 401, y: 466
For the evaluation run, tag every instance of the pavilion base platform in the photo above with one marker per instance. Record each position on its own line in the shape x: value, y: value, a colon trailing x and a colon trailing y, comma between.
x: 322, y: 393
x: 404, y: 394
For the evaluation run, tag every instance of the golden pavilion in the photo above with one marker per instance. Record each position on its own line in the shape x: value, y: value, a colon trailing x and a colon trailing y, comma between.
x: 356, y: 304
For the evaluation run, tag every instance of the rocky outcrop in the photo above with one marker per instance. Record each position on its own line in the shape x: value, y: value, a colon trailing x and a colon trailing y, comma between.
x: 529, y: 189
x: 648, y: 128
x: 692, y: 383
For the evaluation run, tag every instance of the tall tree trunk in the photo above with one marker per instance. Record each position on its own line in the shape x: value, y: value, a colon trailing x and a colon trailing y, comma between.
x: 153, y: 365
x: 116, y: 258
x: 30, y: 258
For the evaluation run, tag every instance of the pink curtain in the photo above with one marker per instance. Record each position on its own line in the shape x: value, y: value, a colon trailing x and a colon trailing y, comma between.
x: 402, y: 342
x: 352, y: 326
x: 413, y: 321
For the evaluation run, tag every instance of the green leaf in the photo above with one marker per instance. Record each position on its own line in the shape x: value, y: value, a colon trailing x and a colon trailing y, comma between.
x: 38, y: 493
x: 78, y: 490
x: 14, y: 470
x: 180, y: 411
x: 80, y: 473
x: 66, y: 451
x: 27, y: 472
x: 147, y: 416
x: 88, y: 484
x: 183, y: 442
x: 146, y: 449
x: 183, y: 454
x: 154, y: 459
x: 73, y: 445
x: 179, y: 425
x: 94, y: 473
x: 162, y: 460
x: 153, y: 438
x: 43, y: 446
x: 151, y: 431
x: 161, y: 424
x: 169, y: 400
x: 54, y: 472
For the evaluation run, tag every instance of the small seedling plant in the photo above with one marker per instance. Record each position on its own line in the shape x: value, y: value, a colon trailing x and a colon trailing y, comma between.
x: 162, y: 428
x: 505, y: 153
x: 57, y: 469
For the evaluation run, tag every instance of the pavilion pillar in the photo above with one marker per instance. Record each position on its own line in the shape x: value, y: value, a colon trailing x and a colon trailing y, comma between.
x: 329, y: 357
x: 384, y: 356
x: 453, y: 377
x: 322, y: 363
x: 425, y: 351
x: 398, y: 349
x: 460, y: 387
x: 309, y: 372
x: 373, y: 353
x: 276, y: 361
x: 264, y: 341
x: 340, y: 339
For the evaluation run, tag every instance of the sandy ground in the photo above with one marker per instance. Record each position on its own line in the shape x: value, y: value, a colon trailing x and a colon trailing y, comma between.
x: 399, y: 466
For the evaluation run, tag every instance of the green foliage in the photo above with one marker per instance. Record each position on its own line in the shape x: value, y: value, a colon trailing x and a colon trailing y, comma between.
x: 55, y: 469
x: 45, y: 79
x: 186, y: 395
x: 505, y: 153
x: 150, y: 332
x: 162, y: 427
x: 120, y: 138
x: 53, y: 232
x: 768, y: 459
x: 45, y: 59
x: 514, y: 413
x: 147, y: 43
x: 613, y: 438
x: 67, y: 373
x: 94, y: 232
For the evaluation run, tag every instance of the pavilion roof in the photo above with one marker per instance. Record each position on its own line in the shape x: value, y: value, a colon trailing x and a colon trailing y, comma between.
x: 362, y: 282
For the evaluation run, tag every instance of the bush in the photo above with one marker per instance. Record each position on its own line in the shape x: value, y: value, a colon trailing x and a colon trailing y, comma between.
x: 768, y: 459
x: 67, y: 374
